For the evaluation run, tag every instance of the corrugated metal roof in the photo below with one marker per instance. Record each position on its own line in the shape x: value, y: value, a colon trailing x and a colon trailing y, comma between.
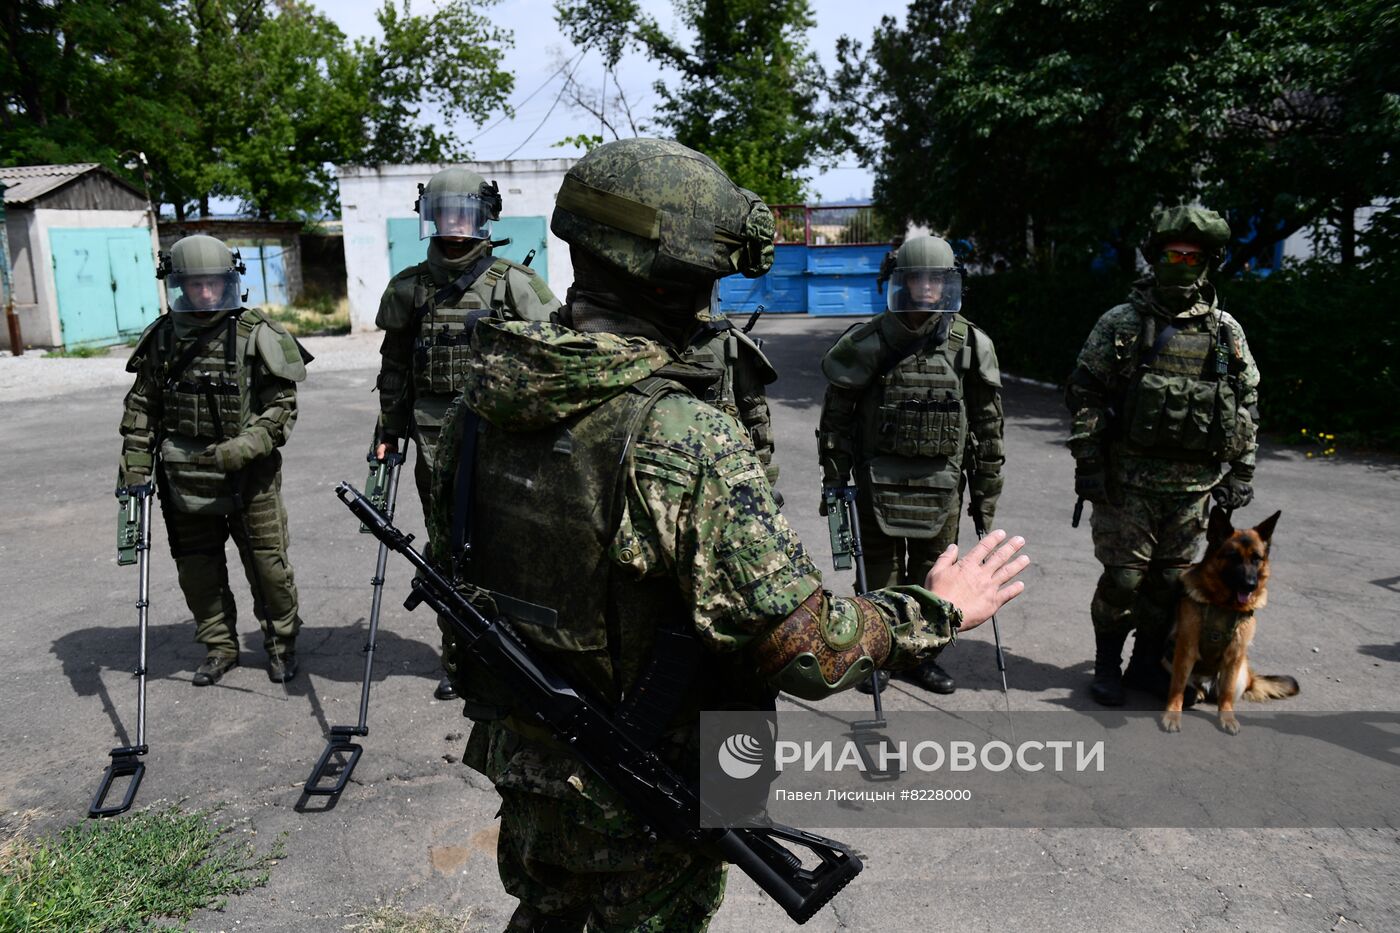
x: 24, y: 183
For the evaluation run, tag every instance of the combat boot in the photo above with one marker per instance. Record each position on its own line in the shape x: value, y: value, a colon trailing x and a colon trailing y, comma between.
x: 932, y: 678
x: 281, y: 665
x: 1147, y: 672
x: 445, y: 690
x: 1107, y: 688
x: 863, y: 685
x: 214, y: 667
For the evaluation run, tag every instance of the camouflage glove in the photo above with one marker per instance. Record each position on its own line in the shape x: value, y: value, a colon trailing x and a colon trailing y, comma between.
x: 1235, y: 491
x: 234, y: 454
x: 1091, y: 482
x: 983, y: 511
x: 134, y: 469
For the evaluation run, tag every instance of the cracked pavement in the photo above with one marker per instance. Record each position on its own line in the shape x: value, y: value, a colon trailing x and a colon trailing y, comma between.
x: 417, y: 830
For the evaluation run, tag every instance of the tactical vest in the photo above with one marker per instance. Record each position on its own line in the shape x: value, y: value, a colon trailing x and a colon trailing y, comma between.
x: 545, y: 511
x: 444, y: 337
x: 210, y: 400
x: 1182, y: 402
x: 913, y: 428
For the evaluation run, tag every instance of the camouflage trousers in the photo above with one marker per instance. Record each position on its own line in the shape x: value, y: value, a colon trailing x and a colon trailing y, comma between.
x: 260, y: 533
x: 575, y: 858
x: 899, y: 561
x: 425, y: 438
x: 1145, y: 543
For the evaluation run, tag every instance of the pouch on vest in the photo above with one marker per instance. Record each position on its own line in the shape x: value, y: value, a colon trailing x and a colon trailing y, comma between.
x: 1187, y: 414
x: 192, y: 487
x: 913, y: 423
x: 910, y: 502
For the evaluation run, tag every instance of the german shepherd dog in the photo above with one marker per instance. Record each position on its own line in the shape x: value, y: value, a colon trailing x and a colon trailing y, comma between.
x: 1215, y: 623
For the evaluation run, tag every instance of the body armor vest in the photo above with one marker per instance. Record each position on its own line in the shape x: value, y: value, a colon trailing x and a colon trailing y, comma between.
x: 1218, y: 627
x: 545, y: 511
x: 913, y: 428
x: 210, y: 399
x: 1181, y: 401
x: 444, y: 335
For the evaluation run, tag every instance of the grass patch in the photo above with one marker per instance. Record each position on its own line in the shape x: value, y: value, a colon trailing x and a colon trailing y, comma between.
x: 317, y: 317
x: 396, y: 920
x: 126, y: 873
x: 76, y: 353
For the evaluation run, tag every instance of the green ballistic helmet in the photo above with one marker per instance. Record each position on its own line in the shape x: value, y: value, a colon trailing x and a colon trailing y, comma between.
x: 457, y: 202
x: 1197, y: 225
x: 663, y: 213
x: 926, y: 277
x: 201, y: 274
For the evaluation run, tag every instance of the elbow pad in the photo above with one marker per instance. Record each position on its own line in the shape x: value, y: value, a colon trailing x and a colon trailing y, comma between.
x: 824, y: 646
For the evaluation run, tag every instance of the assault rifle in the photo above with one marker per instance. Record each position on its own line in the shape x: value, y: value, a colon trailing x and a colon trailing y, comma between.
x: 844, y: 525
x: 666, y: 803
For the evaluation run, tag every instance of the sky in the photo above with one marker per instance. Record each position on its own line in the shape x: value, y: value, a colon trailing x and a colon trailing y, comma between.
x: 540, y: 48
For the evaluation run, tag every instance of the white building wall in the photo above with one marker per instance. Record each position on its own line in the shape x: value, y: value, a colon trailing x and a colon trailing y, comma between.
x: 371, y: 195
x: 39, y: 322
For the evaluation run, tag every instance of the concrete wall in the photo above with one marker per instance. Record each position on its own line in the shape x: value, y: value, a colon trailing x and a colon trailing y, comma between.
x: 371, y: 195
x: 30, y: 249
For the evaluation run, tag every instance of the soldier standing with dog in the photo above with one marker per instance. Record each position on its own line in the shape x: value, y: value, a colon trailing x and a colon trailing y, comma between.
x: 1164, y: 397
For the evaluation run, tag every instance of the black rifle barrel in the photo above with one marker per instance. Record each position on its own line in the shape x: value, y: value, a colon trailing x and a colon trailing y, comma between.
x: 664, y: 800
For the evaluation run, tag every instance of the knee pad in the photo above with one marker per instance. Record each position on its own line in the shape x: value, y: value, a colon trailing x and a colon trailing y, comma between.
x: 1118, y: 586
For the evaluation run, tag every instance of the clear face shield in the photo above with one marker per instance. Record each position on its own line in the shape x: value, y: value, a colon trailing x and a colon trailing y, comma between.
x: 204, y: 291
x: 453, y: 215
x: 923, y: 290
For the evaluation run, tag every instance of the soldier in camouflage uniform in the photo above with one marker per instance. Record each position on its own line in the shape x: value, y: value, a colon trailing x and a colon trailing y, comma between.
x: 914, y: 410
x: 424, y: 314
x: 1164, y: 400
x: 581, y: 476
x: 215, y: 396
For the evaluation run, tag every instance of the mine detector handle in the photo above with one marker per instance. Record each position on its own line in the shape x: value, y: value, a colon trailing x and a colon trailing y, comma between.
x: 133, y: 547
x: 665, y: 802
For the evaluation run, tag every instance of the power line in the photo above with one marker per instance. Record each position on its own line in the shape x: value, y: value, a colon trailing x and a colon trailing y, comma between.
x: 508, y: 116
x: 557, y: 97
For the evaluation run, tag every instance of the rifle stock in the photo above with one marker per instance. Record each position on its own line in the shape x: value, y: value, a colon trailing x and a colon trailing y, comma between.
x: 665, y: 802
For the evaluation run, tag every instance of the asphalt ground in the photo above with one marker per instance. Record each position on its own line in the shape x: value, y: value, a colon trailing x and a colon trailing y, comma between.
x: 416, y: 829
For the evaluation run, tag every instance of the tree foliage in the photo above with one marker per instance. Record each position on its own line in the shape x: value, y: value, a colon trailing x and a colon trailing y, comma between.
x: 746, y: 91
x: 1045, y: 129
x: 249, y: 99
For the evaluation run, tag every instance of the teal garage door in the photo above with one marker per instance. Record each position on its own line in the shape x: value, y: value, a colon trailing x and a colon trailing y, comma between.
x: 106, y: 283
x: 524, y: 233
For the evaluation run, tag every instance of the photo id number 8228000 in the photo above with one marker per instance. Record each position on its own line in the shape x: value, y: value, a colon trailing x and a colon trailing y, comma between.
x: 940, y: 794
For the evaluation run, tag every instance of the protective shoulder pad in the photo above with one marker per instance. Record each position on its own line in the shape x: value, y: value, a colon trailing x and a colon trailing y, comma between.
x: 853, y: 362
x: 396, y: 305
x: 752, y: 352
x: 547, y: 302
x: 146, y: 343
x: 280, y: 352
x: 984, y: 356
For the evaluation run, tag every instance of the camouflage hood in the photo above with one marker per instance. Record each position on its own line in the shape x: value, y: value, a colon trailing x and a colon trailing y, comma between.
x: 525, y: 375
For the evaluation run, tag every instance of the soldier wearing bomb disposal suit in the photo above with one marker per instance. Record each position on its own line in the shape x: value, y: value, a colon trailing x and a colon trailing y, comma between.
x: 424, y: 314
x: 1164, y: 398
x: 613, y: 506
x: 215, y: 396
x: 913, y: 413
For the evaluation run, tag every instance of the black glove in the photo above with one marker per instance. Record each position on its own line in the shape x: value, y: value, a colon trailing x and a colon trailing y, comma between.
x: 1091, y: 483
x: 1233, y: 492
x: 983, y: 511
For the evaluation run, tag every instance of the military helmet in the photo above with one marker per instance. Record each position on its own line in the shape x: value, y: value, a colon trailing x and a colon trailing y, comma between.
x: 662, y: 213
x: 1198, y: 225
x: 926, y: 277
x: 202, y: 274
x: 457, y: 202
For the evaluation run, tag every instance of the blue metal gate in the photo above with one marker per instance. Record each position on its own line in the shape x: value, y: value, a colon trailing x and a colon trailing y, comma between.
x: 106, y: 283
x: 825, y: 263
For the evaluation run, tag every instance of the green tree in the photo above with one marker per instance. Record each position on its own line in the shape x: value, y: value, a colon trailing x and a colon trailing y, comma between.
x: 746, y: 91
x: 255, y: 100
x: 1044, y: 129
